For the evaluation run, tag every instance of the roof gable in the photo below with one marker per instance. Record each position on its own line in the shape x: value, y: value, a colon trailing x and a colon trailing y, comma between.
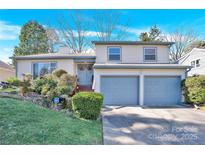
x: 192, y: 52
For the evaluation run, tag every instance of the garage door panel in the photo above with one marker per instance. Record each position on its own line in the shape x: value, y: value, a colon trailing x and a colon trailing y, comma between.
x: 120, y: 90
x: 162, y: 91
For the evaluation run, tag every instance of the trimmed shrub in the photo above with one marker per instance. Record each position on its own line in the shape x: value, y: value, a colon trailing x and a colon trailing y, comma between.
x: 38, y: 84
x: 14, y: 81
x: 58, y: 73
x: 194, y: 89
x: 51, y: 94
x: 45, y: 89
x: 50, y: 81
x: 64, y: 90
x: 87, y: 105
x: 55, y: 85
x: 44, y: 84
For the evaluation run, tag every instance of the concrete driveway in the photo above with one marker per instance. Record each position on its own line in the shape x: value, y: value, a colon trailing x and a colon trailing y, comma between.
x: 136, y: 125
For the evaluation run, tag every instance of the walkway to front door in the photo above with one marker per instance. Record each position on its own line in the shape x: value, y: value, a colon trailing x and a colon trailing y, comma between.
x: 85, y: 74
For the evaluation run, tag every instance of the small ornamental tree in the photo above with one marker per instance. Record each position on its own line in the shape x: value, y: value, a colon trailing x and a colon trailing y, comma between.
x: 33, y: 40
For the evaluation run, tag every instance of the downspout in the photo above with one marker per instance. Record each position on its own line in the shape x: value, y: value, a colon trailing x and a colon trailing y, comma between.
x: 186, y: 72
x: 93, y: 85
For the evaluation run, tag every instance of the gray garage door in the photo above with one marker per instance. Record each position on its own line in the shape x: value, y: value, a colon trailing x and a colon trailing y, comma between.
x: 162, y: 91
x: 120, y: 90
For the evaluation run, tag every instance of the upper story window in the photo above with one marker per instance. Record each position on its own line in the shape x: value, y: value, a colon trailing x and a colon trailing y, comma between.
x: 150, y: 54
x: 198, y: 63
x: 114, y: 53
x: 42, y: 68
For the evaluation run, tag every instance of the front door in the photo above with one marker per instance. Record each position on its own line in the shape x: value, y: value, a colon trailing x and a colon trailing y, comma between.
x: 85, y: 74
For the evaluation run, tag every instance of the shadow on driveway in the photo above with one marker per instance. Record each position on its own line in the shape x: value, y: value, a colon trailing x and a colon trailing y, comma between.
x: 134, y: 125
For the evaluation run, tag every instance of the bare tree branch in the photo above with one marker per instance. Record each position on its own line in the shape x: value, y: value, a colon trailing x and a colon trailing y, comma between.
x: 109, y: 26
x: 75, y: 32
x: 182, y: 39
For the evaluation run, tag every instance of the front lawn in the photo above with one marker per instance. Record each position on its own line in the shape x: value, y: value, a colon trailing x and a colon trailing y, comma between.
x: 22, y: 122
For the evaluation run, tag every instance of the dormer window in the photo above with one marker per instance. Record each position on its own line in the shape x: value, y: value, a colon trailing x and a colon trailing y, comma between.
x: 114, y: 53
x: 150, y: 54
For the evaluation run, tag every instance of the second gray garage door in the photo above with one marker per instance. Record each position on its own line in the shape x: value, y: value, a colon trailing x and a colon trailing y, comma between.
x: 162, y: 91
x: 119, y: 90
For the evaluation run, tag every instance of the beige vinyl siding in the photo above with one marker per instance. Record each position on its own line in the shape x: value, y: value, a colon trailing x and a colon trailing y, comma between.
x: 5, y: 74
x: 25, y: 66
x: 132, y: 53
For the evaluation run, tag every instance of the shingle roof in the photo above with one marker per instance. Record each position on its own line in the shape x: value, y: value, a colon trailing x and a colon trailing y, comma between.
x: 5, y: 66
x: 56, y: 56
x: 130, y: 43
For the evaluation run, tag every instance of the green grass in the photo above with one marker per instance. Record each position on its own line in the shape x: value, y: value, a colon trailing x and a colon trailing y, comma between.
x: 9, y: 90
x: 22, y: 122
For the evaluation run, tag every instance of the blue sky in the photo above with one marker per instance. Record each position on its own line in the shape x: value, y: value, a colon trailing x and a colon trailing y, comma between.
x: 139, y: 21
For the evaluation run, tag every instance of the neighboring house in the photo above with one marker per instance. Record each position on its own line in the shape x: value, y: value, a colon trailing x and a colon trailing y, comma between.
x: 195, y: 58
x: 6, y: 71
x: 125, y: 72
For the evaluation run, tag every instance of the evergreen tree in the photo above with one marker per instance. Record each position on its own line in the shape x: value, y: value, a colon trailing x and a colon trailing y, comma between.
x: 33, y: 40
x: 152, y: 35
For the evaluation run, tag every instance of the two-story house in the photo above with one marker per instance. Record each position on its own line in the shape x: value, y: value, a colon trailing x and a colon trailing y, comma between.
x: 195, y: 58
x: 125, y: 72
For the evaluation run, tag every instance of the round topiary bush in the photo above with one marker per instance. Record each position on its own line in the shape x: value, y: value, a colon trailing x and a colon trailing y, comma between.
x: 67, y: 79
x: 58, y: 73
x: 87, y: 105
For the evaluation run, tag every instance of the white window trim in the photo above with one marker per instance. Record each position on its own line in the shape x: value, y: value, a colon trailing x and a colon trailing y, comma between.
x: 108, y: 57
x: 155, y: 48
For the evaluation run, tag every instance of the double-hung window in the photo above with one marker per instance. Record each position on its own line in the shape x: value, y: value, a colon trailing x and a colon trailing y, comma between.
x: 114, y: 53
x: 150, y: 54
x: 42, y: 68
x: 198, y: 63
x: 193, y: 64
